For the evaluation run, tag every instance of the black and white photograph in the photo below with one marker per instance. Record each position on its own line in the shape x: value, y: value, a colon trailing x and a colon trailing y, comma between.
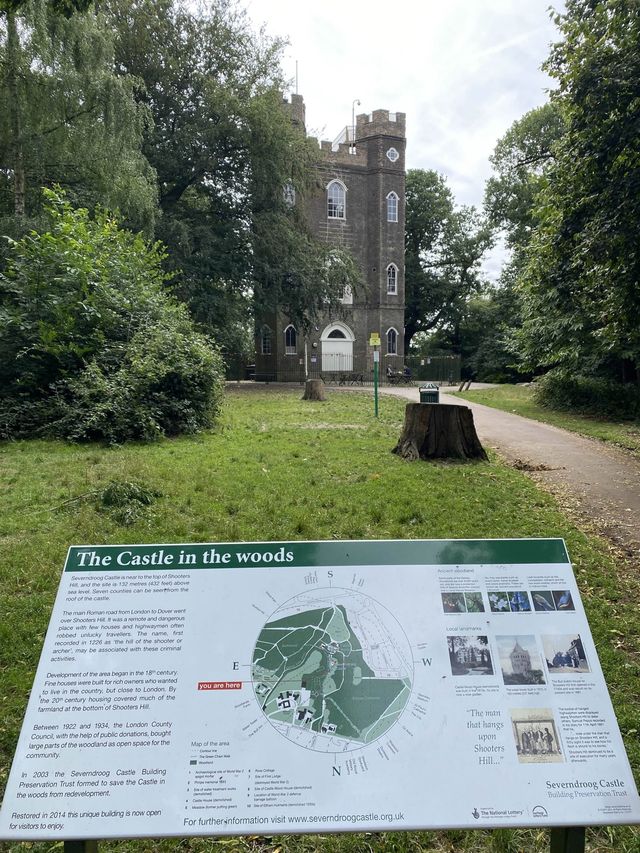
x: 469, y: 655
x: 536, y: 736
x: 564, y: 654
x: 520, y: 660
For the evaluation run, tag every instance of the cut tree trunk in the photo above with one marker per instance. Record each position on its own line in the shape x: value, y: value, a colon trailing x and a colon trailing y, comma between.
x: 438, y: 431
x: 314, y: 390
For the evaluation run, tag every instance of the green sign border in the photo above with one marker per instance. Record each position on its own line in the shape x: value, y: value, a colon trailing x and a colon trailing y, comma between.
x: 235, y: 555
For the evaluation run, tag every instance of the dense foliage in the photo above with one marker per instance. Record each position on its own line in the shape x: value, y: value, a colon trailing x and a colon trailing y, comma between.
x: 224, y: 149
x: 566, y: 193
x: 174, y: 116
x: 91, y: 345
x: 582, y: 280
x: 70, y: 119
x: 589, y: 395
x: 444, y: 245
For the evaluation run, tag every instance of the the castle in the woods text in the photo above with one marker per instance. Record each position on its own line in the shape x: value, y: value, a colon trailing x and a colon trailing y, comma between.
x: 361, y: 208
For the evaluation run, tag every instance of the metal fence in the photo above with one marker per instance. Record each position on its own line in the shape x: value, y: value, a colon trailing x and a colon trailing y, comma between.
x: 441, y: 369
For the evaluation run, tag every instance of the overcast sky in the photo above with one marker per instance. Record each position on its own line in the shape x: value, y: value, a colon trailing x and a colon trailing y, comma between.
x: 462, y: 70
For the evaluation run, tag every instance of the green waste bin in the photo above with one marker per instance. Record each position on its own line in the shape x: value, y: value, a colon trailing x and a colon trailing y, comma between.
x: 429, y: 393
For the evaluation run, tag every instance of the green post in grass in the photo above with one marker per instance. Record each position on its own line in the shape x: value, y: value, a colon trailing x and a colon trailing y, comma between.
x: 374, y: 341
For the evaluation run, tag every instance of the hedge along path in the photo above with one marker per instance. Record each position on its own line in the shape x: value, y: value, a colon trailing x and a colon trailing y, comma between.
x: 604, y: 482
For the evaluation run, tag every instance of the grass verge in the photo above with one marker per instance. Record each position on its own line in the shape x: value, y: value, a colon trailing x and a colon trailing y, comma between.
x: 280, y: 468
x: 519, y: 399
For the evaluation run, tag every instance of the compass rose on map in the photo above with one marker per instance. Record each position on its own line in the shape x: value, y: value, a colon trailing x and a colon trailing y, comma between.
x: 332, y: 669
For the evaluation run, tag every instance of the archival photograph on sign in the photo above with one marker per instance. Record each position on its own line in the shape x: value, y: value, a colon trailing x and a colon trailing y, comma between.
x: 536, y: 736
x: 520, y: 660
x: 564, y: 654
x: 469, y: 655
x: 462, y: 602
x: 516, y: 601
x: 332, y: 670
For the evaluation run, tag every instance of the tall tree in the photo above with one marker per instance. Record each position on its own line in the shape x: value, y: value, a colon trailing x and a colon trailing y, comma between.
x: 69, y: 119
x: 582, y: 280
x: 520, y: 161
x: 224, y: 149
x: 443, y: 249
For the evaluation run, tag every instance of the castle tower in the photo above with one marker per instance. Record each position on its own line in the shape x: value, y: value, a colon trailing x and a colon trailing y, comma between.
x: 520, y: 660
x: 359, y: 206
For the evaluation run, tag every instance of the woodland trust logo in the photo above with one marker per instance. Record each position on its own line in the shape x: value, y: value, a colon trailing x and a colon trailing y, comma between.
x: 476, y: 813
x: 539, y: 811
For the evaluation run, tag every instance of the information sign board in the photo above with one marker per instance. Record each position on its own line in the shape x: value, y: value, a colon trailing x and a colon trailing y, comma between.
x: 316, y: 687
x: 374, y: 339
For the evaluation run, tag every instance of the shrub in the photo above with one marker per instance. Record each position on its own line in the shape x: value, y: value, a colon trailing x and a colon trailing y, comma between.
x: 91, y: 345
x: 588, y: 395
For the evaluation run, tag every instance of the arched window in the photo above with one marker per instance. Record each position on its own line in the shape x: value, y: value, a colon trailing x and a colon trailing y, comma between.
x: 265, y: 340
x: 336, y: 200
x: 392, y: 207
x: 392, y: 342
x: 290, y: 341
x: 337, y: 333
x: 347, y: 295
x: 392, y: 279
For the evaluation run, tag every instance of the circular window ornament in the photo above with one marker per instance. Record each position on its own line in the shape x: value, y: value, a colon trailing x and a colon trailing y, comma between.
x: 392, y: 154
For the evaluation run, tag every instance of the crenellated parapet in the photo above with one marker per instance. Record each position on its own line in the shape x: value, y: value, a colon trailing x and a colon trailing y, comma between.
x: 296, y: 110
x: 342, y: 154
x: 380, y: 123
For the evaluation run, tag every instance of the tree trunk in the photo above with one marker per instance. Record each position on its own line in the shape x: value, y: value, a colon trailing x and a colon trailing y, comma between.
x: 314, y: 390
x: 13, y: 52
x: 438, y: 431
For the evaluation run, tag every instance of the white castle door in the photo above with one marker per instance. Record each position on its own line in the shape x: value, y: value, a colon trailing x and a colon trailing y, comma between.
x: 337, y: 348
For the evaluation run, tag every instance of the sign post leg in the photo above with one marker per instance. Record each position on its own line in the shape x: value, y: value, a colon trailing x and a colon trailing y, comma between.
x: 376, y: 356
x: 567, y: 839
x: 78, y: 846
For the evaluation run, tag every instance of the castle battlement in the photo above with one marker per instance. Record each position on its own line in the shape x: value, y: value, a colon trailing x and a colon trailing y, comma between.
x: 380, y: 123
x: 342, y: 154
x: 296, y: 110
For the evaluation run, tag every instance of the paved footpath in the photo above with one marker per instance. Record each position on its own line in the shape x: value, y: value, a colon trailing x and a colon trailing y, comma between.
x: 603, y: 482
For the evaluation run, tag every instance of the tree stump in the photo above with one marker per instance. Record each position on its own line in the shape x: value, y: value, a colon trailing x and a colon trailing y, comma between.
x: 314, y: 390
x: 438, y: 431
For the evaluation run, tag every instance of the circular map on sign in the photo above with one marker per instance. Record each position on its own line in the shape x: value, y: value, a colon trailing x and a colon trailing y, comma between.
x: 332, y: 670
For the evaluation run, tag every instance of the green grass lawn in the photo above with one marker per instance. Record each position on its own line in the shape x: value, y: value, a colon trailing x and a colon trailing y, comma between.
x: 519, y: 399
x: 279, y: 468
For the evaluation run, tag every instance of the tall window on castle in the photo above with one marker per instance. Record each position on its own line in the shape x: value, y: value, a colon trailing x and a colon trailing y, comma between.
x: 392, y: 342
x: 336, y: 198
x: 392, y: 207
x: 265, y: 341
x: 290, y: 340
x: 392, y: 279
